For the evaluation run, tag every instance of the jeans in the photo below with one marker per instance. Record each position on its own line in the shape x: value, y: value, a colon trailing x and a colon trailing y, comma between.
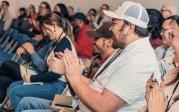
x: 17, y: 91
x: 4, y: 56
x: 32, y: 103
x: 41, y: 110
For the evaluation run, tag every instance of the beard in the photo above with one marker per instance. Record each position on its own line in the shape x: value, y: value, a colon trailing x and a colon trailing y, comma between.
x: 118, y: 43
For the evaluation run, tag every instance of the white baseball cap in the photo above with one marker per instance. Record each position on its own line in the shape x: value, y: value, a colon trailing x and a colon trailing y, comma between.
x: 132, y: 12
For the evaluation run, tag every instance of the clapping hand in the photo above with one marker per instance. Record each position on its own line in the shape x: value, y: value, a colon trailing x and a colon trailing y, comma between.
x: 157, y: 100
x: 21, y: 51
x: 73, y: 66
x: 29, y: 47
x: 56, y: 65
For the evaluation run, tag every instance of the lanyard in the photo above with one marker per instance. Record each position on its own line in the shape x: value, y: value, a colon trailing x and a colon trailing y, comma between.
x: 109, y: 63
x: 53, y: 46
x: 168, y: 105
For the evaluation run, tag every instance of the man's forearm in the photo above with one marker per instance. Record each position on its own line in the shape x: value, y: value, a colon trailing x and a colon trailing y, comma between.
x: 87, y: 95
x: 87, y: 81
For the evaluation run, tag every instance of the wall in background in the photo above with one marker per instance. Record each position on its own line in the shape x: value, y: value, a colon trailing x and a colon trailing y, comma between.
x: 84, y: 5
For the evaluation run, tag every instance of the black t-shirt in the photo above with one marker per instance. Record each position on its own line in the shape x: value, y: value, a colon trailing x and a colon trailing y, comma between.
x: 50, y: 76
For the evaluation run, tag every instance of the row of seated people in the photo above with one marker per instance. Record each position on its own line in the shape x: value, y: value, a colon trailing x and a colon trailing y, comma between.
x: 48, y: 67
x: 27, y: 43
x: 29, y: 24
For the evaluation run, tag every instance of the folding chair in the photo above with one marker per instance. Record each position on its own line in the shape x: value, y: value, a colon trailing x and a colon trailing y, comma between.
x: 6, y: 105
x: 6, y: 33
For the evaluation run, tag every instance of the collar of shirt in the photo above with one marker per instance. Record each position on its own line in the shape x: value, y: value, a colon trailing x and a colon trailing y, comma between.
x: 137, y: 44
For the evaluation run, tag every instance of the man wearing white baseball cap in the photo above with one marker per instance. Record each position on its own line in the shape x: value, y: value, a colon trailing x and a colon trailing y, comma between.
x: 119, y: 84
x: 137, y: 61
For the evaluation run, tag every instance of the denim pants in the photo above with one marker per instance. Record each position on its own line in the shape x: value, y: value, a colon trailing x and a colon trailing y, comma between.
x: 17, y: 91
x: 32, y: 104
x: 41, y: 110
x: 4, y: 56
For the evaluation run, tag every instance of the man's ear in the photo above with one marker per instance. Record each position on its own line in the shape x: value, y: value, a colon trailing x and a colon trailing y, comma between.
x: 126, y: 30
x: 109, y: 42
x: 81, y: 21
x: 131, y: 28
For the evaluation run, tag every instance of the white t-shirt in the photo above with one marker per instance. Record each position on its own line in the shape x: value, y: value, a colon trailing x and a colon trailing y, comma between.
x: 127, y: 76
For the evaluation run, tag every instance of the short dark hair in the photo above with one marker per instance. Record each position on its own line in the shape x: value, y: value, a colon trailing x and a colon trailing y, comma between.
x: 81, y: 16
x: 94, y: 11
x: 63, y: 10
x: 155, y: 23
x: 23, y: 9
x: 142, y: 32
x: 174, y: 18
x: 6, y: 2
x: 106, y: 5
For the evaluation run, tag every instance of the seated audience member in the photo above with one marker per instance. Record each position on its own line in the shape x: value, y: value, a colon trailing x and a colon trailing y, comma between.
x: 110, y: 90
x: 168, y: 10
x: 21, y: 22
x: 5, y: 16
x: 24, y: 22
x: 102, y: 16
x: 165, y: 99
x: 53, y: 82
x: 84, y: 44
x: 46, y: 73
x: 44, y: 9
x: 71, y: 12
x: 165, y: 52
x: 154, y: 27
x: 61, y: 9
x: 32, y: 12
x: 91, y: 15
x: 10, y: 70
x: 103, y: 45
x: 102, y: 38
x: 175, y: 26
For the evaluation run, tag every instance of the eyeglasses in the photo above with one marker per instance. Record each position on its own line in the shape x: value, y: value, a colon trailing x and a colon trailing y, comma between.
x: 169, y: 32
x: 171, y: 35
x: 165, y: 30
